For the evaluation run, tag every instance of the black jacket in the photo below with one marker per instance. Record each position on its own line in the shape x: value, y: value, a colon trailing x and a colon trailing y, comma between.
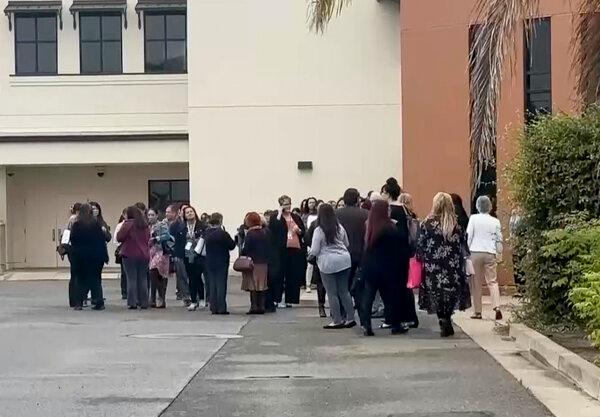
x: 218, y: 245
x: 178, y: 230
x: 354, y: 220
x: 88, y: 242
x: 387, y: 259
x: 256, y: 246
x: 279, y: 229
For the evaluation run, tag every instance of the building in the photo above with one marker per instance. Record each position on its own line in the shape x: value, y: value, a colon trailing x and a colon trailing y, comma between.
x: 217, y: 102
x: 435, y: 46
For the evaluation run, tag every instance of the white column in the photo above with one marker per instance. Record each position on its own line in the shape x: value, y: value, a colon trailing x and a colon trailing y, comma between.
x: 3, y: 220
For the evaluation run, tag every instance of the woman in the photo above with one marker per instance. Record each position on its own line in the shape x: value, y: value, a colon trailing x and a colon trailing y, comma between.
x: 194, y: 262
x: 97, y: 212
x: 315, y: 273
x: 159, y: 259
x: 88, y: 245
x: 384, y: 268
x: 134, y: 236
x: 330, y: 249
x: 218, y: 245
x: 73, y: 290
x: 440, y: 249
x: 118, y: 257
x: 406, y: 202
x: 461, y: 215
x: 256, y: 247
x: 309, y: 218
x: 340, y: 204
x: 484, y: 236
x: 391, y: 191
x: 288, y: 230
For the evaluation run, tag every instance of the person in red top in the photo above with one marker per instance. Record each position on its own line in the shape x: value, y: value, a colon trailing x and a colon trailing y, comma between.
x: 134, y: 236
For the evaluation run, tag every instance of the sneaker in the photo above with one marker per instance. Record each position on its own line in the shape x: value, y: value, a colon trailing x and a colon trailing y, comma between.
x: 202, y: 304
x: 281, y: 305
x: 367, y: 331
x: 333, y: 326
x: 192, y: 307
x: 308, y: 290
x: 99, y: 307
x: 77, y: 308
x: 350, y: 324
x: 384, y: 325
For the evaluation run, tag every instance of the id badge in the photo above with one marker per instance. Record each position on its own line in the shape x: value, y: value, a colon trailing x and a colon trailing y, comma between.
x: 188, y: 246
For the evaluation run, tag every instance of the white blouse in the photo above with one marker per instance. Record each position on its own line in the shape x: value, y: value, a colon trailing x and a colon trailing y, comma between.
x: 484, y: 234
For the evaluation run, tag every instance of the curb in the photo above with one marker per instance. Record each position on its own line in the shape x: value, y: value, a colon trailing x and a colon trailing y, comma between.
x: 534, y: 345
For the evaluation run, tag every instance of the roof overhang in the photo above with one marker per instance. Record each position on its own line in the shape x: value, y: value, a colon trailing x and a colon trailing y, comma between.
x: 107, y: 6
x: 30, y: 6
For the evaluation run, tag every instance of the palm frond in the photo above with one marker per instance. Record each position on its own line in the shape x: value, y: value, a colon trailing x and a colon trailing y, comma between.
x: 320, y: 12
x: 585, y: 44
x: 493, y: 47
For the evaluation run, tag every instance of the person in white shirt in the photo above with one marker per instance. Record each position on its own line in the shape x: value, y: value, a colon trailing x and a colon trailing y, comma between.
x: 484, y: 236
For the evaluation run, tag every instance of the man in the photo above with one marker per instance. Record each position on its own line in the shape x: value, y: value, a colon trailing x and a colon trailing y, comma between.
x: 178, y: 230
x: 354, y: 220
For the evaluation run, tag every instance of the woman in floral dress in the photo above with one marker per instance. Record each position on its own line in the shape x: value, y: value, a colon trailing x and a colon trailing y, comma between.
x: 445, y: 286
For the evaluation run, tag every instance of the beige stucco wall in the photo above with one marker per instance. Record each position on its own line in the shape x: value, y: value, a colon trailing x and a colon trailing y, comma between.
x: 39, y: 200
x: 264, y: 93
x: 68, y: 103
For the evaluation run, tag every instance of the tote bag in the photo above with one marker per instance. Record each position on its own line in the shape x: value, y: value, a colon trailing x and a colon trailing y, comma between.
x: 415, y: 273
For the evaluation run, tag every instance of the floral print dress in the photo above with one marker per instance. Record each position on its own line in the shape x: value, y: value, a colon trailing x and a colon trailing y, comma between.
x: 445, y: 286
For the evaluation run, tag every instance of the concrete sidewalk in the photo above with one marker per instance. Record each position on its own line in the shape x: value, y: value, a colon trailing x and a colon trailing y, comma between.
x: 560, y: 396
x: 51, y: 274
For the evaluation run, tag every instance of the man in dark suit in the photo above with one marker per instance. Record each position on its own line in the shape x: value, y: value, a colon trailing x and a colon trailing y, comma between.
x: 354, y: 220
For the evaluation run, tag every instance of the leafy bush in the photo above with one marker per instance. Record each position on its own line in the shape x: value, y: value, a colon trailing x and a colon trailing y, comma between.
x: 585, y: 294
x: 555, y: 179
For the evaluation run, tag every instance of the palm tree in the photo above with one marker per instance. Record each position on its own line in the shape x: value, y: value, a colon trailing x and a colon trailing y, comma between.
x: 500, y: 25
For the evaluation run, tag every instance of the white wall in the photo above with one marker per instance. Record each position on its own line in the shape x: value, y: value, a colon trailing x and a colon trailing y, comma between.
x: 94, y: 152
x: 39, y: 200
x: 131, y: 103
x: 264, y: 93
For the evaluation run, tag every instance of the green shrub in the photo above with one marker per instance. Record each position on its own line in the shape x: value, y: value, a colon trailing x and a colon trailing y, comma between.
x: 585, y: 294
x: 555, y: 180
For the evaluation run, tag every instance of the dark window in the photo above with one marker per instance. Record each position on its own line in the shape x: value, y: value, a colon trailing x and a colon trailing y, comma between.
x: 166, y: 46
x: 161, y: 193
x: 35, y: 44
x: 100, y: 44
x: 538, y: 68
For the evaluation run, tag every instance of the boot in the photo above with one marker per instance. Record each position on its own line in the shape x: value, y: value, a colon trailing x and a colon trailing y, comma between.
x: 260, y: 302
x: 446, y: 328
x: 322, y: 312
x: 252, y: 302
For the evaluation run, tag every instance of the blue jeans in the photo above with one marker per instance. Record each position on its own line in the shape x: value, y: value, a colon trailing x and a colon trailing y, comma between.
x: 336, y: 285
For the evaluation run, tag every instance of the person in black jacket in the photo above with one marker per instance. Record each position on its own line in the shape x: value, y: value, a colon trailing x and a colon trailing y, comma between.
x: 399, y: 214
x: 218, y: 245
x: 256, y: 247
x: 354, y: 220
x: 88, y: 244
x: 383, y: 268
x: 178, y: 231
x: 194, y: 262
x: 288, y: 230
x: 316, y: 274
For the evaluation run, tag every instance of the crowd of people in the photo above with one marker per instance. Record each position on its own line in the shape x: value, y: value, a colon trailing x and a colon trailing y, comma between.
x: 354, y: 251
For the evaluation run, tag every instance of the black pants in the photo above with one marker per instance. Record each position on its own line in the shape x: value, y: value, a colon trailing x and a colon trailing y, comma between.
x: 194, y: 272
x: 73, y: 288
x: 217, y: 279
x: 391, y: 295
x: 321, y: 292
x: 408, y: 310
x: 137, y: 282
x: 158, y: 284
x: 123, y: 281
x: 294, y: 273
x: 89, y: 278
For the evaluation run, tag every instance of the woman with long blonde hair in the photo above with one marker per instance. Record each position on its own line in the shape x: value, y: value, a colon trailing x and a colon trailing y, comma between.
x: 440, y: 248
